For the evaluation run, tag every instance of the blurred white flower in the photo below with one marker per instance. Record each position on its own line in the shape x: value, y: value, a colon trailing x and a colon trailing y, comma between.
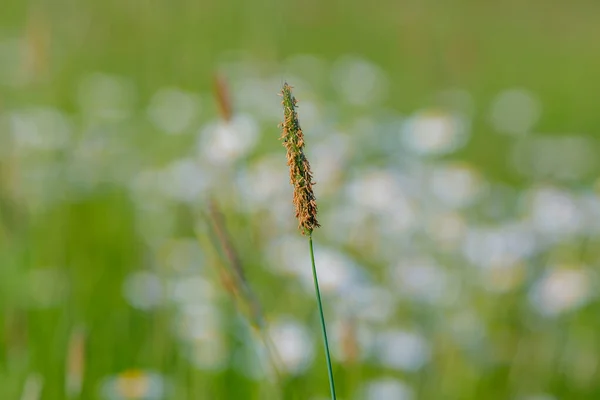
x: 344, y: 224
x: 184, y: 180
x: 359, y: 81
x: 387, y: 389
x: 366, y: 303
x: 200, y: 326
x: 447, y: 229
x: 97, y: 158
x: 328, y: 158
x: 310, y: 114
x: 337, y: 271
x: 143, y: 290
x: 293, y: 343
x: 500, y: 252
x: 380, y: 191
x: 402, y: 350
x: 266, y: 182
x: 515, y: 111
x: 223, y: 142
x: 287, y: 254
x: 208, y: 352
x: 40, y: 129
x: 133, y: 385
x: 199, y: 321
x: 501, y: 246
x: 456, y: 185
x: 191, y: 290
x: 254, y: 360
x: 173, y: 110
x: 434, y: 132
x: 562, y: 290
x: 105, y: 97
x: 422, y: 279
x: 554, y: 212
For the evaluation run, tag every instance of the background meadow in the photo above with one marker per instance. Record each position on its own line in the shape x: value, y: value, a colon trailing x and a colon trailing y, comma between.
x: 454, y: 146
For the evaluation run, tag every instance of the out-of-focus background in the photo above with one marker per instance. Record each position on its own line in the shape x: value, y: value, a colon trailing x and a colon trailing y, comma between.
x: 454, y: 145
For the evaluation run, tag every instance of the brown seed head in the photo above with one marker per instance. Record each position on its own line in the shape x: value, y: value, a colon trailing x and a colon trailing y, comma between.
x: 300, y: 174
x: 221, y: 92
x: 75, y: 362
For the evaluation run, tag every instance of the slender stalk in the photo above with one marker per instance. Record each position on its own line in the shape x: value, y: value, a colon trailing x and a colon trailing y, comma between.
x: 322, y: 316
x: 304, y: 199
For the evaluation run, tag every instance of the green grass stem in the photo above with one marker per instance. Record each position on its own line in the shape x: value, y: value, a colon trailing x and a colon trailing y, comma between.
x: 322, y: 316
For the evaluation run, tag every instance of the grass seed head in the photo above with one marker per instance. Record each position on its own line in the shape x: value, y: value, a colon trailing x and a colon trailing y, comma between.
x: 300, y: 174
x: 221, y: 93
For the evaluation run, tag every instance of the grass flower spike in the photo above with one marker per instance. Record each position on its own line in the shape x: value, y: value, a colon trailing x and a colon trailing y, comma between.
x: 300, y: 174
x: 304, y: 199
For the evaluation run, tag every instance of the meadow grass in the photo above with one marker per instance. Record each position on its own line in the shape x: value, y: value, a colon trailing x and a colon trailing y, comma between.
x: 304, y: 200
x: 72, y: 233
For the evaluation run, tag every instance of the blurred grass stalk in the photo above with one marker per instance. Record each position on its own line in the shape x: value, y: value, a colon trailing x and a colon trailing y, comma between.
x: 234, y: 281
x: 304, y: 199
x: 231, y: 275
x: 32, y: 390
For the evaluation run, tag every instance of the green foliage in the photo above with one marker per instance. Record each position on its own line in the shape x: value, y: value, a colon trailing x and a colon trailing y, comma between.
x: 68, y: 249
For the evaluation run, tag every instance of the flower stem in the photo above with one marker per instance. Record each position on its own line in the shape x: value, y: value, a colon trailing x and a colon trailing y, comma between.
x: 318, y: 292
